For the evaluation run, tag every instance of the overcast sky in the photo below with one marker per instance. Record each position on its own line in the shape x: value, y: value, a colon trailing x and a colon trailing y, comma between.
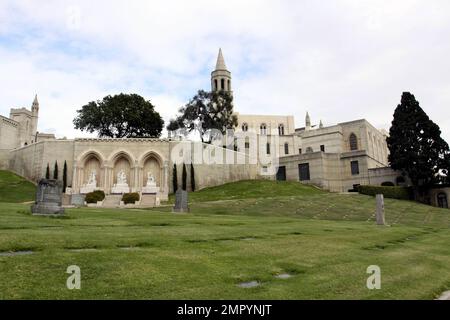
x: 340, y: 60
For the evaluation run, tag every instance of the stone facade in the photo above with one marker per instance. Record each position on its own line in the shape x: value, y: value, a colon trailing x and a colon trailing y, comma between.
x: 335, y: 157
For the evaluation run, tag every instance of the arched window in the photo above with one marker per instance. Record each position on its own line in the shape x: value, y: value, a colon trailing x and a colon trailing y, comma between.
x: 286, y: 148
x: 229, y: 85
x: 263, y: 129
x: 216, y: 87
x: 281, y: 130
x: 442, y: 200
x: 222, y: 84
x: 244, y: 127
x: 353, y: 140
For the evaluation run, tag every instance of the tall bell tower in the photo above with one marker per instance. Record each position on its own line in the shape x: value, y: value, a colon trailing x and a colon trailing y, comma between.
x: 221, y: 77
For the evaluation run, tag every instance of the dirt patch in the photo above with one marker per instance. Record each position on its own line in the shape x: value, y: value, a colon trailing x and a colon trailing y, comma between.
x: 15, y: 253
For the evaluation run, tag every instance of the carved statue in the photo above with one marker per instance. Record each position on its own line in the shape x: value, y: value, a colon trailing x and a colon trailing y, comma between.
x: 121, y: 178
x: 150, y: 180
x: 92, y: 179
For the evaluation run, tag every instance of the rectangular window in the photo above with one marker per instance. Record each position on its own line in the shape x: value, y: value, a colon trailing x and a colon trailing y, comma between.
x: 355, y: 167
x: 268, y: 148
x: 303, y: 170
x: 322, y: 148
x: 300, y: 151
x: 247, y: 145
x: 286, y: 149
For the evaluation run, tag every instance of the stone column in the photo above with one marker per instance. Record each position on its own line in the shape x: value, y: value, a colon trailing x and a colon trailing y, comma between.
x: 74, y: 178
x: 166, y: 177
x: 380, y: 210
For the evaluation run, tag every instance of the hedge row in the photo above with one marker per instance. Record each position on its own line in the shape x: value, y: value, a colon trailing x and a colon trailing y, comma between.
x: 130, y: 198
x: 401, y: 193
x: 94, y: 197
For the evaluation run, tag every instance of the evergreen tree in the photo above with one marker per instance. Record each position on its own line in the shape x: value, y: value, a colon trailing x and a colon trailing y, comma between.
x: 55, y: 171
x: 192, y: 178
x: 64, y: 176
x: 175, y: 178
x: 184, y: 177
x: 415, y: 145
x: 47, y: 171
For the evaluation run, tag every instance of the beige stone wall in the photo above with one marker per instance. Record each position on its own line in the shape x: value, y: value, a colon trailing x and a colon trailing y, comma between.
x: 9, y: 131
x: 330, y: 137
x: 272, y: 122
x: 31, y: 161
x: 213, y: 165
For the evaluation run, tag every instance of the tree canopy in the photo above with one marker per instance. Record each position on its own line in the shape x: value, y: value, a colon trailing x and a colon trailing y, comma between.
x: 120, y: 116
x: 415, y: 145
x: 205, y: 112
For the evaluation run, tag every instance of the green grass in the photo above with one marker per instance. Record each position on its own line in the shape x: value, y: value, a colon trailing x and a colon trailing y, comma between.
x: 15, y: 189
x: 326, y: 241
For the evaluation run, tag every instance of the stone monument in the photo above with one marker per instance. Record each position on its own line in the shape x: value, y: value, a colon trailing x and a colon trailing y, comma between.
x: 150, y: 187
x: 380, y: 210
x: 48, y: 198
x: 181, y: 202
x: 91, y: 185
x: 121, y: 186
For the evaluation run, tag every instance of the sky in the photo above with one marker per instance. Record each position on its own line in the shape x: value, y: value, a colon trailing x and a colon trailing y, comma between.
x: 341, y: 60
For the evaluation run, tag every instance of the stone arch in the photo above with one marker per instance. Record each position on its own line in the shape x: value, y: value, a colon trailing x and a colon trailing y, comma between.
x: 154, y: 163
x: 122, y: 161
x: 88, y: 162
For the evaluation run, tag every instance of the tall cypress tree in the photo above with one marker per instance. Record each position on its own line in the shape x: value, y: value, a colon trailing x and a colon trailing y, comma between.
x: 55, y: 171
x: 415, y: 144
x: 184, y: 177
x: 192, y: 178
x: 64, y: 176
x: 47, y: 171
x: 175, y: 178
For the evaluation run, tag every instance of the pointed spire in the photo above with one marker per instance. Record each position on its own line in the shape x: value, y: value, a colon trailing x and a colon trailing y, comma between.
x: 307, y: 121
x: 35, y: 101
x: 220, y: 65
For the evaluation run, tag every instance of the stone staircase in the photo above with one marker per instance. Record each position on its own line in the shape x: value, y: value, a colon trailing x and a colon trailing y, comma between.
x: 148, y: 200
x: 112, y: 201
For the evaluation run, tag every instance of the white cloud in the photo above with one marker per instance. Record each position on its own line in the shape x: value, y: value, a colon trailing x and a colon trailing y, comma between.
x: 340, y: 60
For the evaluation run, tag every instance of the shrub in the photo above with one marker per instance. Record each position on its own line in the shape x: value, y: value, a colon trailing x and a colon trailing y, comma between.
x: 130, y: 198
x: 94, y: 197
x: 401, y: 193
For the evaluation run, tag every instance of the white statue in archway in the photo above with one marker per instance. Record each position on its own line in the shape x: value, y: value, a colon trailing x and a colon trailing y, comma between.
x: 92, y: 181
x: 151, y: 182
x: 122, y: 178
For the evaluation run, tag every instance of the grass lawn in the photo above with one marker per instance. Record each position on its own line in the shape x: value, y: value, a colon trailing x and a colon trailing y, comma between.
x: 15, y: 189
x: 248, y: 231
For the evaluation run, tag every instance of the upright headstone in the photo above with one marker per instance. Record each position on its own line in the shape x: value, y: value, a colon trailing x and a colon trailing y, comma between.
x: 380, y: 210
x: 181, y: 201
x: 48, y: 198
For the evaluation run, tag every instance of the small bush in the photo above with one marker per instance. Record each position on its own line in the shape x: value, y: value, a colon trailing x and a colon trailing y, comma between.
x: 401, y: 193
x: 94, y: 197
x: 130, y: 198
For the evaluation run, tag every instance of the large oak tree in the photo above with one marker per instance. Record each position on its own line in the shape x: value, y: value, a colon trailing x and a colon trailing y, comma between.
x: 120, y: 116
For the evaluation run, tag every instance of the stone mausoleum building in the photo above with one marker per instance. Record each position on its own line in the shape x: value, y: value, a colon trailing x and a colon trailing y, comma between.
x: 336, y: 158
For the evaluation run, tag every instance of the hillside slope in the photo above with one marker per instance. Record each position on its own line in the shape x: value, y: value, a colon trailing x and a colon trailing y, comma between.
x: 15, y: 189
